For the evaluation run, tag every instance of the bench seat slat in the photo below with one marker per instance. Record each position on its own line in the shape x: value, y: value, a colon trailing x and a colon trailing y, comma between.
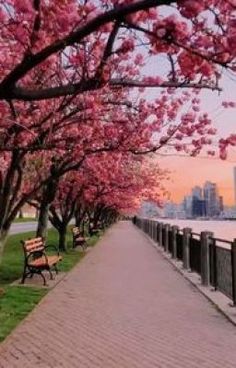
x: 44, y: 261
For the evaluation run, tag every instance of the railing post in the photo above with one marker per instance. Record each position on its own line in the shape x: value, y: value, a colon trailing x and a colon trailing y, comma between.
x: 186, y: 253
x: 205, y: 257
x: 166, y: 240
x: 152, y: 229
x: 160, y: 234
x: 174, y: 240
x: 233, y: 263
x: 157, y: 232
x: 213, y: 264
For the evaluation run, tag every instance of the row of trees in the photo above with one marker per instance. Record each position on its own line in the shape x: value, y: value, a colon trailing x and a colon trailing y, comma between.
x: 103, y: 188
x: 75, y: 114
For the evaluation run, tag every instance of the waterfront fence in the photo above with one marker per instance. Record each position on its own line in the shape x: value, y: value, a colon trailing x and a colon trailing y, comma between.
x: 213, y: 259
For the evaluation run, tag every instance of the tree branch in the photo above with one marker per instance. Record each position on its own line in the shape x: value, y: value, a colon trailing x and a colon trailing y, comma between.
x: 23, y: 94
x: 29, y: 62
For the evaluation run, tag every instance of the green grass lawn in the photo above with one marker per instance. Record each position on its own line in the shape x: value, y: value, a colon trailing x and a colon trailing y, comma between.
x: 15, y: 304
x: 24, y: 219
x: 17, y: 301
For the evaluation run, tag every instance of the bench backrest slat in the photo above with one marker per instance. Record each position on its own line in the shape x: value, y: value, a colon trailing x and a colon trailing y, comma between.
x: 75, y: 230
x: 33, y: 245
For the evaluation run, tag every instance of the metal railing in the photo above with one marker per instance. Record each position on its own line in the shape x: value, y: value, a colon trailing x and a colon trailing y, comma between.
x: 214, y: 259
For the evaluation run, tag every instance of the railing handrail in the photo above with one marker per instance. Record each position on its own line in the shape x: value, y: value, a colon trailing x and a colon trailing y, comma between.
x: 221, y: 240
x: 195, y: 234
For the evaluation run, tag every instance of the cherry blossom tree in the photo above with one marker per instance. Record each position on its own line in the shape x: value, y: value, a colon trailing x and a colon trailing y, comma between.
x: 62, y: 209
x: 197, y: 37
x: 74, y: 78
x: 41, y: 145
x: 114, y: 183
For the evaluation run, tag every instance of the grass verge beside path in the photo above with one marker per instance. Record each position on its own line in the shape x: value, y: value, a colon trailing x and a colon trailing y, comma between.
x: 24, y: 219
x: 17, y: 301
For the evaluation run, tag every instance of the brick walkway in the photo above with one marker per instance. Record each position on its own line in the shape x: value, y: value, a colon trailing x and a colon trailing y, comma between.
x: 124, y: 306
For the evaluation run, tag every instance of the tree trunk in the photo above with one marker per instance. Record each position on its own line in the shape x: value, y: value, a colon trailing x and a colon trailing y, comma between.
x: 48, y: 196
x: 62, y: 238
x: 3, y: 239
x: 21, y: 215
x: 43, y: 219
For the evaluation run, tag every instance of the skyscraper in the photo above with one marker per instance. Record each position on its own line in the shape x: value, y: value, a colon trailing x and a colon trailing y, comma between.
x: 198, y: 203
x: 211, y: 197
x: 197, y: 192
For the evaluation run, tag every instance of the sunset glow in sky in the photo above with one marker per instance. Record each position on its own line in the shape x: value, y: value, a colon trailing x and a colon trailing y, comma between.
x: 187, y: 172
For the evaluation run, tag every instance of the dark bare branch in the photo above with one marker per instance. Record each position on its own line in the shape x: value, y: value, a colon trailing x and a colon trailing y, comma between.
x: 29, y: 62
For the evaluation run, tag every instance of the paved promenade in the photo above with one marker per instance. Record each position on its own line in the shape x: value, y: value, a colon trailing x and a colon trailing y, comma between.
x: 124, y: 306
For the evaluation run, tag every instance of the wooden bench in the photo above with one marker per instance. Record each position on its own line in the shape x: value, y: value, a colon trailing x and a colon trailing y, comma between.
x: 94, y: 230
x: 78, y: 239
x: 37, y: 260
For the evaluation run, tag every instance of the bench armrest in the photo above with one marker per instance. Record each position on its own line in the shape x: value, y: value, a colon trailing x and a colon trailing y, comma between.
x: 53, y: 247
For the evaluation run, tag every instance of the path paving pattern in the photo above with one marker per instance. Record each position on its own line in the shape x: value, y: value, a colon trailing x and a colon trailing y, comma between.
x: 123, y: 306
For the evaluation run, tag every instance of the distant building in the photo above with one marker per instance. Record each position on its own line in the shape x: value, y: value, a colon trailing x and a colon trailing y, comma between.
x: 148, y: 209
x: 198, y: 203
x: 221, y: 203
x: 203, y: 202
x: 197, y: 192
x: 198, y: 207
x: 212, y: 199
x: 187, y: 205
x: 170, y: 210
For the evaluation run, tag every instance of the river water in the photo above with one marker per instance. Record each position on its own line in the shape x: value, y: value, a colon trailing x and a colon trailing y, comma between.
x: 221, y: 229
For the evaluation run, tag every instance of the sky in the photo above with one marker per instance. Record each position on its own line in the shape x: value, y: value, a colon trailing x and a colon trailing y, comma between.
x: 187, y: 172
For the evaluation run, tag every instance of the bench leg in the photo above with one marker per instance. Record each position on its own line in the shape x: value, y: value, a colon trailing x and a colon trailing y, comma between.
x: 50, y: 273
x: 26, y: 272
x: 85, y: 246
x: 43, y: 277
x: 23, y: 277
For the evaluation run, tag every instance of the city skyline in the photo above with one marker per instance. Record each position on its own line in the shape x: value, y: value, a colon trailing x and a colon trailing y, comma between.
x: 202, y: 192
x: 187, y: 172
